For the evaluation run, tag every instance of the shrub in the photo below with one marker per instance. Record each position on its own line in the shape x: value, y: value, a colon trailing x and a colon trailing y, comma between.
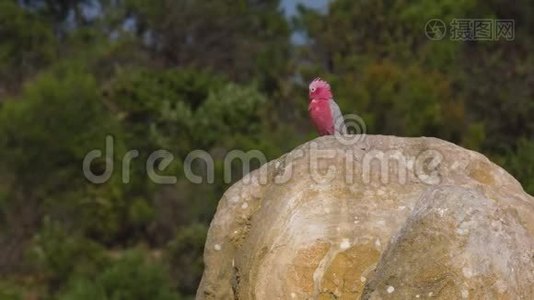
x: 184, y: 254
x: 130, y: 277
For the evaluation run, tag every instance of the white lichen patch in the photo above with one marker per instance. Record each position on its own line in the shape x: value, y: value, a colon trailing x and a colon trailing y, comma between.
x: 467, y: 272
x: 462, y: 231
x: 501, y: 286
x: 363, y: 279
x: 390, y: 289
x: 345, y: 244
x: 217, y: 247
x: 244, y: 205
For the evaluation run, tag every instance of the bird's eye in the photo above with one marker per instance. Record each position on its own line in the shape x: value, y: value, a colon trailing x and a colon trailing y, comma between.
x: 312, y: 89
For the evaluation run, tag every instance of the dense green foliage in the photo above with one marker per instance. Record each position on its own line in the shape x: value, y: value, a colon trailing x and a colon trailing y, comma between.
x: 215, y: 76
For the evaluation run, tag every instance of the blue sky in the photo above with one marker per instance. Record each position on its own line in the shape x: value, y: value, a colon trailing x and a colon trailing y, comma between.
x: 290, y: 9
x: 290, y: 6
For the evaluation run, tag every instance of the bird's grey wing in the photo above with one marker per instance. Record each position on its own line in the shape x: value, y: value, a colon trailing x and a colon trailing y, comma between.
x: 339, y: 122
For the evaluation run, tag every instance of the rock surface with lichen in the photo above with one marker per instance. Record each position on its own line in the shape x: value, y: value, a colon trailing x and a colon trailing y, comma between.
x: 381, y: 217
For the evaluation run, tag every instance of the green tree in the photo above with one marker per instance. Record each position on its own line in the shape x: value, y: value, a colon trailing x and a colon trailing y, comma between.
x: 27, y: 45
x: 242, y: 39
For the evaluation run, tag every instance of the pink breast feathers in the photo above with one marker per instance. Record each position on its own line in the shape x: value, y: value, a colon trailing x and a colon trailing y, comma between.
x: 321, y: 116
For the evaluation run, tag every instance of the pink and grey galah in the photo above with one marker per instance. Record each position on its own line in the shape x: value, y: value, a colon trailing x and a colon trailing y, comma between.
x: 324, y: 111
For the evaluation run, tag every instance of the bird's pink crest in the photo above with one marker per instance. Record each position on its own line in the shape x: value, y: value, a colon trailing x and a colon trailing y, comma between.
x: 319, y: 89
x: 319, y: 83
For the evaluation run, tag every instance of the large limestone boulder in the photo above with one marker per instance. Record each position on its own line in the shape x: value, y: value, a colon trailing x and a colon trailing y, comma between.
x: 378, y: 218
